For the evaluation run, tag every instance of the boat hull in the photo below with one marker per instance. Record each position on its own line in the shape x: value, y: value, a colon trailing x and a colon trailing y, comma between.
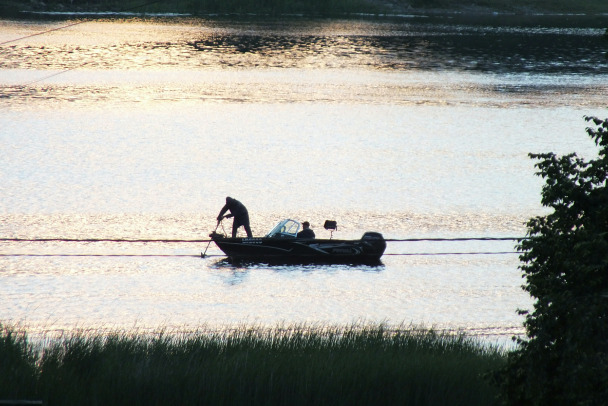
x: 368, y: 249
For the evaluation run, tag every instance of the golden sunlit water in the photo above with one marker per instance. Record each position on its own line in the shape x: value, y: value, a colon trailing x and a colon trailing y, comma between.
x: 138, y: 130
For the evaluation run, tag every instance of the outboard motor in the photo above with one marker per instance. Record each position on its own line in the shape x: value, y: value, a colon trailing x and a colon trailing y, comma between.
x: 375, y: 240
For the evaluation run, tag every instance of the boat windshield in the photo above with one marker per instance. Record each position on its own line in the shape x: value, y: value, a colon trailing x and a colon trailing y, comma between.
x: 285, y: 229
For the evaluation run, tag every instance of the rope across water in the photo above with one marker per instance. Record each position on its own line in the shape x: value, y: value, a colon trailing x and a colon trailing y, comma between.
x: 201, y: 241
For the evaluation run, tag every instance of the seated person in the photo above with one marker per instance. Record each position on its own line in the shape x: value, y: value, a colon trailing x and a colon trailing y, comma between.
x: 306, y: 231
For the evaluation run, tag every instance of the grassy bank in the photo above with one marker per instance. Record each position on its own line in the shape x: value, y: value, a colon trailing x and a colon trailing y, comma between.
x: 357, y: 365
x: 309, y: 7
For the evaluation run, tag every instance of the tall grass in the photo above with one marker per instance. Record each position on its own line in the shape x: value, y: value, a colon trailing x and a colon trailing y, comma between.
x: 295, y: 365
x: 18, y: 371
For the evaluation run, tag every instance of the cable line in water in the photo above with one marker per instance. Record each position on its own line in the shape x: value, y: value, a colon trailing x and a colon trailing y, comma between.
x: 59, y: 239
x: 222, y: 255
x: 453, y: 253
x: 44, y: 32
x: 61, y: 28
x: 455, y: 239
x: 76, y: 23
x: 105, y: 255
x: 170, y: 240
x: 201, y: 241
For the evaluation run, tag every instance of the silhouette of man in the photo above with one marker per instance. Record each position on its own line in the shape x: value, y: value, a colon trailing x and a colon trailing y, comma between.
x: 306, y: 231
x: 240, y: 214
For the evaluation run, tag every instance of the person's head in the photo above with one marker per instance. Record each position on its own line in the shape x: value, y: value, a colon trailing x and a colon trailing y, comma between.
x: 305, y: 224
x: 229, y: 199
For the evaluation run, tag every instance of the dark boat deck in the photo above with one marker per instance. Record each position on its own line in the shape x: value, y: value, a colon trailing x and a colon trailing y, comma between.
x: 367, y: 250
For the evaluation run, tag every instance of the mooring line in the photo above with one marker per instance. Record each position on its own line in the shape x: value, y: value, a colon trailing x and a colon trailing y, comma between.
x: 200, y: 241
x: 170, y: 240
x: 455, y: 239
x: 453, y: 253
x: 76, y: 23
x: 223, y: 255
x: 61, y: 28
x: 58, y: 239
x: 43, y: 32
x: 49, y: 76
x: 105, y: 255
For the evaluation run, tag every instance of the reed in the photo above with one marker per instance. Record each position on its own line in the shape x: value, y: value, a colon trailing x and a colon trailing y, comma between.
x: 296, y: 365
x: 18, y: 371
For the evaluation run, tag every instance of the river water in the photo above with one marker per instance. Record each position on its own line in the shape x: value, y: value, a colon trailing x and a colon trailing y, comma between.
x: 416, y: 127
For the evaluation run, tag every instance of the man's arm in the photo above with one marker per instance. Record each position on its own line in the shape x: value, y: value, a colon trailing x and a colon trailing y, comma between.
x: 221, y: 215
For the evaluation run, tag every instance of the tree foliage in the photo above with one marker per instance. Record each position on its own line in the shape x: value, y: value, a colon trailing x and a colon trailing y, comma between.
x: 564, y: 360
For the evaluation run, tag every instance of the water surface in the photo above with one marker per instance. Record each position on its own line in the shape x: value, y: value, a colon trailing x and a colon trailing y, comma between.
x: 413, y: 128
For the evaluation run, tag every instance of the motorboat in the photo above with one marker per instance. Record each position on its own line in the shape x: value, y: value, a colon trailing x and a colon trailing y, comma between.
x: 282, y: 245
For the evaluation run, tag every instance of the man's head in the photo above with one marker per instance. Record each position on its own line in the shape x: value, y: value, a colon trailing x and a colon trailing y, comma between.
x: 305, y: 224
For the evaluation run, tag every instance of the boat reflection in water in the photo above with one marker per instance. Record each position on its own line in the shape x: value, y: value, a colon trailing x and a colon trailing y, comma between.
x: 282, y: 246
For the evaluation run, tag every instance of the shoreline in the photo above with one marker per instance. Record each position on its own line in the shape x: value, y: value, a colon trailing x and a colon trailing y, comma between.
x: 347, y: 8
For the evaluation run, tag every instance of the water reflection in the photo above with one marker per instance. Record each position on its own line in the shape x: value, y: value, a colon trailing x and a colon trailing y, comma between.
x: 138, y: 129
x: 231, y: 274
x: 305, y: 86
x: 383, y: 45
x: 433, y: 48
x: 253, y: 266
x: 368, y: 62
